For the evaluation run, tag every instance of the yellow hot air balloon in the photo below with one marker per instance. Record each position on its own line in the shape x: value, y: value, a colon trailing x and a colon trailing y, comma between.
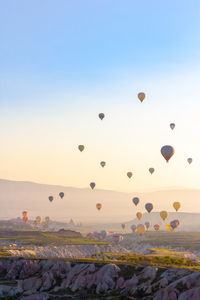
x: 141, y: 228
x: 139, y: 215
x: 169, y: 228
x: 98, y: 206
x: 141, y: 96
x: 176, y: 205
x: 164, y: 214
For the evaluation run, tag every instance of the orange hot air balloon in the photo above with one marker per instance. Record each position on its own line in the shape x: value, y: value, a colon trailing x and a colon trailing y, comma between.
x: 139, y: 215
x: 141, y: 228
x: 98, y: 206
x: 167, y: 152
x: 141, y: 96
x: 176, y: 205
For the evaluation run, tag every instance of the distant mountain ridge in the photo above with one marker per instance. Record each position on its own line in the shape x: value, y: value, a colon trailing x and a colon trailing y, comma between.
x: 80, y: 203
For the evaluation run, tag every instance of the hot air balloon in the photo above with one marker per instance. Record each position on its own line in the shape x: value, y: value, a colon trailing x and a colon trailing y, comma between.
x: 61, y: 194
x: 176, y: 205
x: 103, y: 163
x: 117, y: 238
x: 103, y: 234
x: 38, y: 220
x: 50, y: 198
x: 136, y: 200
x: 123, y: 226
x: 172, y: 126
x: 25, y: 219
x: 47, y: 220
x: 90, y: 235
x: 156, y: 227
x: 189, y: 160
x: 101, y: 116
x: 129, y: 174
x: 98, y: 206
x: 133, y: 227
x: 174, y: 224
x: 92, y: 185
x: 164, y: 214
x: 151, y: 170
x: 149, y: 207
x: 81, y: 147
x: 139, y: 215
x: 147, y: 224
x: 141, y: 229
x: 141, y: 96
x: 169, y: 228
x: 167, y: 152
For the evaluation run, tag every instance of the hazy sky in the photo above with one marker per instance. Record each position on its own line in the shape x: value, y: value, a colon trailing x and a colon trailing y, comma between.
x: 62, y: 62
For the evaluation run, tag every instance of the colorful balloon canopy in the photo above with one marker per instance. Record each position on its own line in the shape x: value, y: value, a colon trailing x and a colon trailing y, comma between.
x: 61, y: 194
x: 103, y: 163
x: 92, y: 185
x: 133, y: 227
x: 167, y: 152
x: 50, y: 198
x: 81, y: 147
x: 172, y: 126
x: 136, y: 200
x: 174, y: 224
x: 151, y: 170
x: 25, y: 216
x: 141, y: 96
x: 176, y: 205
x: 147, y: 224
x: 169, y: 228
x: 129, y: 174
x: 149, y: 207
x: 156, y: 227
x: 98, y: 206
x: 101, y: 116
x: 164, y: 214
x: 189, y: 160
x: 141, y: 228
x: 139, y: 215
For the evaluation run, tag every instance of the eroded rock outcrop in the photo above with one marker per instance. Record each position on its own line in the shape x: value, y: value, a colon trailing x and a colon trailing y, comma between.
x: 36, y: 279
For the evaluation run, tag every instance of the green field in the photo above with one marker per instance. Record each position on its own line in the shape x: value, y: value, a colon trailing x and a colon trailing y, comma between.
x: 44, y: 238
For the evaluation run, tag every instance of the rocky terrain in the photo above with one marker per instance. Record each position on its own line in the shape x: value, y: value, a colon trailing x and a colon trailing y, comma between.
x: 30, y: 279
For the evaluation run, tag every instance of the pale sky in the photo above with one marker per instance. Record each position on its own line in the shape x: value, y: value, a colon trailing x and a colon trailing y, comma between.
x: 63, y: 62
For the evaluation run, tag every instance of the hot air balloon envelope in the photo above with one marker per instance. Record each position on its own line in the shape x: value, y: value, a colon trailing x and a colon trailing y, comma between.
x: 167, y: 152
x: 136, y: 200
